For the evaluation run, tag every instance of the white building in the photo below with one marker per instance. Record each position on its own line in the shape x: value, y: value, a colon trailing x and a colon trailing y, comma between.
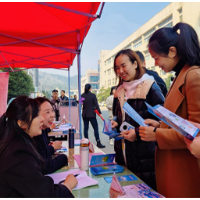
x: 173, y: 13
x: 91, y: 77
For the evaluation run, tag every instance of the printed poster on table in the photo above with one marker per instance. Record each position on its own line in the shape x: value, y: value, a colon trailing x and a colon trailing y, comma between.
x: 4, y: 77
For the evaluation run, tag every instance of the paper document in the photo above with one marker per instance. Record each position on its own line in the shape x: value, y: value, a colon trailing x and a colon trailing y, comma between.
x: 171, y: 119
x: 133, y: 114
x: 83, y: 179
x: 108, y: 130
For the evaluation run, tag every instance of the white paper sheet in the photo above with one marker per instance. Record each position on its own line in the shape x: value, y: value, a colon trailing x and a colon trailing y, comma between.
x: 83, y: 179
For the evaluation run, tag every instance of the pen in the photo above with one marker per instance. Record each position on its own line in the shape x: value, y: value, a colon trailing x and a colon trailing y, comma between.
x: 75, y: 175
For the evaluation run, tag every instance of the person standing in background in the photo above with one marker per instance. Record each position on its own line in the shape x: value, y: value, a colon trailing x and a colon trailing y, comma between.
x: 109, y: 106
x: 64, y: 99
x: 89, y: 105
x: 56, y: 100
x: 157, y: 78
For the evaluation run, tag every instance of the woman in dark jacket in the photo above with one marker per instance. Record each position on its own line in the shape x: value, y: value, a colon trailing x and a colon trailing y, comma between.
x: 21, y: 165
x: 136, y: 87
x: 42, y: 142
x: 89, y: 105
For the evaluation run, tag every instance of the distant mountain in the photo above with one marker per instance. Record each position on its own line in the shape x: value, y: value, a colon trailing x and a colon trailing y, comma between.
x: 48, y: 82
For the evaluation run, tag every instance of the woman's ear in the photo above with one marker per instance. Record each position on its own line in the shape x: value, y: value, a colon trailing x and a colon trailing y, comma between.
x: 22, y: 124
x: 135, y: 64
x: 172, y: 52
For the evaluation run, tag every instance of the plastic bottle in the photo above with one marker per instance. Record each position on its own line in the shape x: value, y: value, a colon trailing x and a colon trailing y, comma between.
x: 84, y: 152
x: 71, y: 138
x: 64, y: 120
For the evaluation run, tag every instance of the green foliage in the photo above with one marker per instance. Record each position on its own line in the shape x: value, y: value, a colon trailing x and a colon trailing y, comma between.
x: 168, y: 81
x: 47, y: 94
x: 103, y: 94
x: 20, y: 83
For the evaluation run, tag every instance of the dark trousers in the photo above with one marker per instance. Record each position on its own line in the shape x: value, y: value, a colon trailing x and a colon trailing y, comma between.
x: 93, y: 121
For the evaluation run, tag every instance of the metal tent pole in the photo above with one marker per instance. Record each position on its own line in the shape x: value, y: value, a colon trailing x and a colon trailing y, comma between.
x: 79, y: 84
x: 69, y: 94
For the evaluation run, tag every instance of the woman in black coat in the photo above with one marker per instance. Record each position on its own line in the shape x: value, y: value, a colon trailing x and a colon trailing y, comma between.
x: 135, y: 87
x: 21, y: 169
x: 89, y: 105
x: 42, y: 142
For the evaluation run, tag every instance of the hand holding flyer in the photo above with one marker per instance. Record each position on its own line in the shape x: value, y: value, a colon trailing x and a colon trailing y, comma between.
x: 171, y: 119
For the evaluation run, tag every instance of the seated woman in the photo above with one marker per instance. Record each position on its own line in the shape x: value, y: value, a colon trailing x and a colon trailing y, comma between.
x: 42, y: 142
x: 21, y: 165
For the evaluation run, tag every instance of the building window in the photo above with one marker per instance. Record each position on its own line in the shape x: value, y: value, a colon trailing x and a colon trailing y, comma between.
x: 109, y: 61
x: 94, y: 79
x: 180, y: 14
x: 137, y: 42
x: 94, y: 85
x: 165, y: 22
x: 128, y: 47
x: 148, y: 34
x: 147, y: 57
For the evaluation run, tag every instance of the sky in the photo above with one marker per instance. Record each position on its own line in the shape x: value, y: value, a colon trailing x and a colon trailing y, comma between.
x: 118, y: 21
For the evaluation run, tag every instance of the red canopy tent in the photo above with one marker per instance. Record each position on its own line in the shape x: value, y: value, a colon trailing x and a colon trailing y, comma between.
x: 44, y: 35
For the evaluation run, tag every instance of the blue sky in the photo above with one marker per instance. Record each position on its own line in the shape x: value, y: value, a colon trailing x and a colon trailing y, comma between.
x: 118, y: 21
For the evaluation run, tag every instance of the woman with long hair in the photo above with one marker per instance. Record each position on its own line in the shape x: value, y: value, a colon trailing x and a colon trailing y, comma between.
x: 135, y: 87
x: 42, y: 142
x: 89, y: 105
x: 177, y: 170
x: 21, y: 169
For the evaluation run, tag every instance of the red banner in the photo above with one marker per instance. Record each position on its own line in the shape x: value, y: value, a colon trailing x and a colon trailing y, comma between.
x: 4, y: 77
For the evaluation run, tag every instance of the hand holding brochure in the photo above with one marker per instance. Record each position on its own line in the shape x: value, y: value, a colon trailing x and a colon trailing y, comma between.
x: 133, y: 114
x: 171, y: 119
x: 108, y: 130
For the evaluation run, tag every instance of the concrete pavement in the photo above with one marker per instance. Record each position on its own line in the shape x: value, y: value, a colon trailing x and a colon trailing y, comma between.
x: 103, y: 137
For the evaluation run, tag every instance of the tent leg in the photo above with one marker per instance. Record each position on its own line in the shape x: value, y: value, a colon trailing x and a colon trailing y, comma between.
x: 69, y: 95
x: 79, y: 93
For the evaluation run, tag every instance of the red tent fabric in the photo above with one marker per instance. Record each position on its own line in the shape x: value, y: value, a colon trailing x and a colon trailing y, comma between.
x: 43, y: 35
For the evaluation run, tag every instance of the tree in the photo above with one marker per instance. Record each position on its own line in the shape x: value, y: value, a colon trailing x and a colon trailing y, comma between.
x: 47, y: 94
x: 103, y: 94
x: 20, y: 83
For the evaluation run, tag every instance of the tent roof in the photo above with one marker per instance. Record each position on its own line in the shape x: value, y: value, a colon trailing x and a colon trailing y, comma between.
x: 43, y: 35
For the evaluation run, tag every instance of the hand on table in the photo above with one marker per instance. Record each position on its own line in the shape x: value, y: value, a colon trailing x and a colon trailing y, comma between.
x: 57, y: 145
x: 70, y: 182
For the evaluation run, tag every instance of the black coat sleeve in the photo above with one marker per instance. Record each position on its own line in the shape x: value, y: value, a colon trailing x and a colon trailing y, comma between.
x: 53, y: 164
x: 27, y: 180
x: 96, y: 105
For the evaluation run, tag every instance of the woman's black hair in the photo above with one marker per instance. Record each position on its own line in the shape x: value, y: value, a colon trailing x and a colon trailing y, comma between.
x: 41, y: 100
x: 111, y: 90
x: 22, y: 108
x: 87, y: 87
x: 183, y: 37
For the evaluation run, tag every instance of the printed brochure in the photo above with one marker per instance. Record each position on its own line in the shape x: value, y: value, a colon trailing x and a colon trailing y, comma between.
x: 103, y: 164
x: 171, y: 119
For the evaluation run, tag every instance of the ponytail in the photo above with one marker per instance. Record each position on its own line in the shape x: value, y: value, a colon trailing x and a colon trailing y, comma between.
x: 188, y: 44
x: 87, y: 88
x: 183, y: 37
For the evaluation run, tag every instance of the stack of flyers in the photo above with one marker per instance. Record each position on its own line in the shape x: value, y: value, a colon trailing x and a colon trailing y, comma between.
x: 143, y: 191
x: 149, y: 194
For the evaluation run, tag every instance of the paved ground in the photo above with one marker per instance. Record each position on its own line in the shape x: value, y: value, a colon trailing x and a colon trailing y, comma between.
x: 104, y: 138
